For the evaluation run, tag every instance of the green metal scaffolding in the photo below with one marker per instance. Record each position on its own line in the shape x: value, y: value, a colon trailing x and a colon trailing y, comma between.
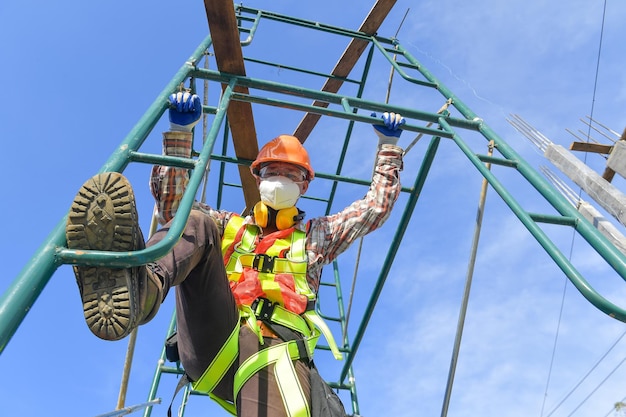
x: 453, y: 123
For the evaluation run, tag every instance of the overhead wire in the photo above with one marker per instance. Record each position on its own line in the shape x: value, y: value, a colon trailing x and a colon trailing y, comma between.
x: 595, y: 81
x: 594, y: 367
x: 571, y: 254
x: 596, y: 388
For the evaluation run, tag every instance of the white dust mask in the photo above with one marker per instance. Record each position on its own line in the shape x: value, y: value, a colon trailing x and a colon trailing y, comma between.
x: 279, y: 192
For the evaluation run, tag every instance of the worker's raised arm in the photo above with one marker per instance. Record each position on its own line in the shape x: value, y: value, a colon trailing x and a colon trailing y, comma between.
x: 338, y: 231
x: 168, y: 184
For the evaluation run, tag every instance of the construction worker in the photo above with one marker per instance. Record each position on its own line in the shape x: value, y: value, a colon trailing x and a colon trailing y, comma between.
x: 243, y: 284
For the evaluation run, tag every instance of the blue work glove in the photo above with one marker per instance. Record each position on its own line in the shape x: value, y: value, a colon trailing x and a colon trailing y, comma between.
x: 391, y: 131
x: 185, y: 111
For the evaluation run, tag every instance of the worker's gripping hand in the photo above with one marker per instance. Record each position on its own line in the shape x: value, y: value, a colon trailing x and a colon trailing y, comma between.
x: 390, y: 132
x: 185, y: 111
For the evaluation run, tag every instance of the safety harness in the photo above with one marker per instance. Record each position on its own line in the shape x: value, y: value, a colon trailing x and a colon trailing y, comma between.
x: 268, y: 280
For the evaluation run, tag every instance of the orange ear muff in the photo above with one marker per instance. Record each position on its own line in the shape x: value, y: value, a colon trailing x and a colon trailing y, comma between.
x: 261, y: 215
x: 285, y: 218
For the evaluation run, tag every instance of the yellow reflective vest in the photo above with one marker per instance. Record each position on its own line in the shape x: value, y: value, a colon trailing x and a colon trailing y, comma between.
x: 273, y: 268
x: 268, y: 280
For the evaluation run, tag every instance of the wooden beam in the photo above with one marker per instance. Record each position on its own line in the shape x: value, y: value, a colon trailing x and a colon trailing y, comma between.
x: 348, y: 60
x: 590, y: 147
x: 229, y: 57
x: 608, y: 174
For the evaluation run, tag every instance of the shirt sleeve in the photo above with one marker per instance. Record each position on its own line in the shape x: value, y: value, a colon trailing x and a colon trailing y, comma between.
x: 168, y: 184
x: 329, y: 236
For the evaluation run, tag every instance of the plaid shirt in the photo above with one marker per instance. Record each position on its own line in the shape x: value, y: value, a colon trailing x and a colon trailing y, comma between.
x: 327, y: 236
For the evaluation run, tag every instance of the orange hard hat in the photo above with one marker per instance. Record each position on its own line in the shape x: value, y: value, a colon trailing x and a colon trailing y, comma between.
x: 284, y: 148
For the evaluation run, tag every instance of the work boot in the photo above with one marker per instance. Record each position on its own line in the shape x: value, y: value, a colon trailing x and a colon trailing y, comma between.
x: 103, y: 217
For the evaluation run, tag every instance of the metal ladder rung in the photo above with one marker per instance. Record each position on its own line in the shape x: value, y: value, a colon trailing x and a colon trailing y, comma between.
x: 327, y: 348
x: 498, y: 161
x: 553, y: 219
x: 171, y: 370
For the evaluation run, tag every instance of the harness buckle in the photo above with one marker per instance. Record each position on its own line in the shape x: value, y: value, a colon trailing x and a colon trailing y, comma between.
x: 263, y: 263
x: 263, y: 309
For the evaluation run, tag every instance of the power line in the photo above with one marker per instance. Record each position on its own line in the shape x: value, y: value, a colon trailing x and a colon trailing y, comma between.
x: 588, y: 373
x: 597, y: 387
x: 593, y: 99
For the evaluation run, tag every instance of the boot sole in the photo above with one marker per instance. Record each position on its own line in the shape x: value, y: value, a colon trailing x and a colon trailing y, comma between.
x: 103, y: 217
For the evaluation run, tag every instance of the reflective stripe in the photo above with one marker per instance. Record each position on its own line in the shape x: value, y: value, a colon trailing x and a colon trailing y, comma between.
x: 319, y: 323
x: 261, y: 359
x: 228, y: 406
x: 248, y: 239
x: 290, y: 388
x: 220, y: 364
x: 230, y: 232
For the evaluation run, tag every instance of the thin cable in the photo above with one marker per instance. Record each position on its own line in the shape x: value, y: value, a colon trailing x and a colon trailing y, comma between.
x: 395, y: 58
x: 588, y: 373
x: 597, y: 387
x: 556, y: 338
x: 558, y: 327
x: 595, y: 85
x: 595, y: 82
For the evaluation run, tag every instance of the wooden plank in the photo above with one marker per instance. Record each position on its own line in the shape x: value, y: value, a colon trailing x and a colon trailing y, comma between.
x: 590, y: 147
x: 348, y: 60
x: 608, y: 174
x: 229, y: 57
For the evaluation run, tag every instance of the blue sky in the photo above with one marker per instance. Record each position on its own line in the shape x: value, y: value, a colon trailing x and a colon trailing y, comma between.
x: 78, y: 76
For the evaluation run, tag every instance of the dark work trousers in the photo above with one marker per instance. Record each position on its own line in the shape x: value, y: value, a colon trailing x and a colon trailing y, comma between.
x: 206, y: 315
